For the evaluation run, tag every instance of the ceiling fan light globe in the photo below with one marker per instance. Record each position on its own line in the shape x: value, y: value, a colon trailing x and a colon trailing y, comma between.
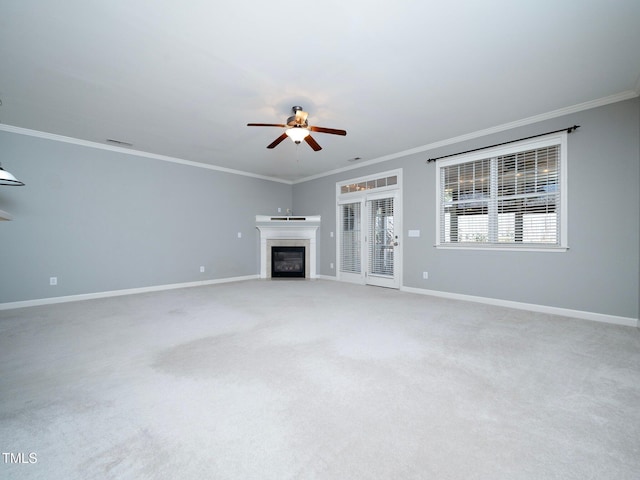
x: 297, y: 134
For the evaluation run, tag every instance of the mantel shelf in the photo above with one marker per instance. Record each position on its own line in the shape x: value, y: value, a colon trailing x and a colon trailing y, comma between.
x: 287, y: 220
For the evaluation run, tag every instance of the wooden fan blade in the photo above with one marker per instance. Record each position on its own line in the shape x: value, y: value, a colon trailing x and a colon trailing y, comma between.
x: 312, y: 143
x: 277, y: 141
x: 332, y: 131
x: 281, y: 125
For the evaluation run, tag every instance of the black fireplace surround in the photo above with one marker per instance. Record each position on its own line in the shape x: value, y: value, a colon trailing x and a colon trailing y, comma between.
x: 287, y: 262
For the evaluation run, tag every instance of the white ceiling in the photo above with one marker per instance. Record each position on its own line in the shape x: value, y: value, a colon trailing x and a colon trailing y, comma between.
x: 183, y: 79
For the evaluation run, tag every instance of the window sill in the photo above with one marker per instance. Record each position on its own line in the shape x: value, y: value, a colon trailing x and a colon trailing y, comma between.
x: 503, y: 248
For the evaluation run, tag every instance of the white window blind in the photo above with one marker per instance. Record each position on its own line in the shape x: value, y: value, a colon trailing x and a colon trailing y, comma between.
x: 381, y: 237
x: 511, y: 198
x: 350, y: 238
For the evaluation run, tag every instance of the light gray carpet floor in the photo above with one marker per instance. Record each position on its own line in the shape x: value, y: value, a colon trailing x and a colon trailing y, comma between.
x: 308, y: 379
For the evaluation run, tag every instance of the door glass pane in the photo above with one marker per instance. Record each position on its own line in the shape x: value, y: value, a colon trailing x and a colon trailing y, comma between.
x: 350, y: 238
x: 381, y: 237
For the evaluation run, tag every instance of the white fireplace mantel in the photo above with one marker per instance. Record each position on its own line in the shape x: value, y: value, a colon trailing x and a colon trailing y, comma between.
x: 287, y: 228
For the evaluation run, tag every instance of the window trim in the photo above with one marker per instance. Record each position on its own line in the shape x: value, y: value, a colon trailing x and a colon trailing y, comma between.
x: 540, y: 142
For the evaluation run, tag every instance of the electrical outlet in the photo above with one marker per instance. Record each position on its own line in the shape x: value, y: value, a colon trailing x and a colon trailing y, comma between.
x: 202, y: 269
x: 331, y: 266
x: 53, y: 280
x: 279, y: 210
x: 239, y: 234
x: 331, y: 234
x: 425, y: 275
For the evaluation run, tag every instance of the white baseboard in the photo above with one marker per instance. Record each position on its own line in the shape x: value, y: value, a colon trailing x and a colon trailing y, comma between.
x: 117, y: 293
x: 565, y: 312
x: 326, y: 277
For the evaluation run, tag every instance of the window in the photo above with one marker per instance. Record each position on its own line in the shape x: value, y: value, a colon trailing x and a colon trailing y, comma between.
x: 350, y: 238
x: 370, y: 184
x: 509, y: 197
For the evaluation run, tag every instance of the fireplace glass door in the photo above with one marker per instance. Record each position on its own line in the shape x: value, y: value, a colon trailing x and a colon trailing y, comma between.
x: 288, y: 262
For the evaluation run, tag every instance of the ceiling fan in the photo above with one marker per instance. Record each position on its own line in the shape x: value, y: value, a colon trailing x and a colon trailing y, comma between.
x: 298, y: 129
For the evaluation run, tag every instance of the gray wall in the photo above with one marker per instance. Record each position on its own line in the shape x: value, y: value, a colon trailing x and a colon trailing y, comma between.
x: 598, y: 274
x: 100, y: 220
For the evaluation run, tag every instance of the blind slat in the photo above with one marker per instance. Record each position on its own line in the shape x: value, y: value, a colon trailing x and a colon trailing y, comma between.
x: 350, y: 238
x: 381, y: 237
x: 511, y: 198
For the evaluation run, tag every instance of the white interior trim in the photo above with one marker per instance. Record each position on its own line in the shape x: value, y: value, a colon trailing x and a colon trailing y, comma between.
x: 287, y: 230
x: 363, y: 197
x: 626, y: 95
x: 565, y: 312
x: 129, y: 151
x: 117, y: 293
x: 327, y: 277
x: 619, y: 97
x: 553, y: 139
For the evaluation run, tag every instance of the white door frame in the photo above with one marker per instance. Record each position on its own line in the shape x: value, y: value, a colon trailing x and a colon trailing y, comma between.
x: 377, y: 279
x: 370, y: 192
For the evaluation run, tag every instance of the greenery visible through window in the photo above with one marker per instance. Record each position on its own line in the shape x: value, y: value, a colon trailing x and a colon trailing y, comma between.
x: 505, y: 197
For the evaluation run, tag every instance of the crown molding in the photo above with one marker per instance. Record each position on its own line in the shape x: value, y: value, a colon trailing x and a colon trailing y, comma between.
x: 138, y: 153
x: 619, y: 97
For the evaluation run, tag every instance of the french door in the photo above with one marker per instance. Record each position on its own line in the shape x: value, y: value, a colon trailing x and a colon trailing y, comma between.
x: 369, y: 243
x: 381, y: 243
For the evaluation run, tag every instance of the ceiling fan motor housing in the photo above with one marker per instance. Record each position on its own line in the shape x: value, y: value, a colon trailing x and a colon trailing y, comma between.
x: 292, y: 122
x: 297, y: 120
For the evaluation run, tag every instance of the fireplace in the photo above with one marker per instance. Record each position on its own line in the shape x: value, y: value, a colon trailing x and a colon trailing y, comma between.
x: 287, y: 261
x: 288, y: 232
